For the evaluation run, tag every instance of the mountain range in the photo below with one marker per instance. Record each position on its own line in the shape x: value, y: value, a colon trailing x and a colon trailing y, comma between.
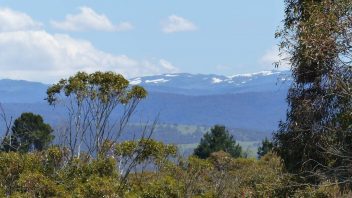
x: 202, y: 84
x: 254, y: 102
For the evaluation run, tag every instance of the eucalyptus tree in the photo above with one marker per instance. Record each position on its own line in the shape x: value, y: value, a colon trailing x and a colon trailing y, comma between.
x: 317, y: 37
x: 91, y: 101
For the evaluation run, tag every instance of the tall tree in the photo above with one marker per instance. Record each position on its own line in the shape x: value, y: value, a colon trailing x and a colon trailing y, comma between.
x: 317, y: 37
x: 91, y: 99
x: 218, y: 139
x: 29, y: 133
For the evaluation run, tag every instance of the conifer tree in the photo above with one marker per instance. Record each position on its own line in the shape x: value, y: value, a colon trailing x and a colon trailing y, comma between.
x: 218, y: 139
x: 29, y: 133
x: 265, y: 147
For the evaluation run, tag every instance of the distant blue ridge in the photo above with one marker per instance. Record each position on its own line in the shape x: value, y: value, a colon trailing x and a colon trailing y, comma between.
x: 250, y: 101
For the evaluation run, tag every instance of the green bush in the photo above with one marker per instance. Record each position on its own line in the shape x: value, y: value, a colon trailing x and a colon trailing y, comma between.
x: 52, y: 173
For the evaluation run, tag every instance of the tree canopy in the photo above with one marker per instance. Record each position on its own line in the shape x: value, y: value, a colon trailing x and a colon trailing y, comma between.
x: 29, y: 133
x: 317, y: 38
x: 90, y: 100
x: 218, y: 139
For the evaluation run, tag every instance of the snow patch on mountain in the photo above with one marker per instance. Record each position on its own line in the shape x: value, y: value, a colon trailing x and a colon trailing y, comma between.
x: 171, y: 75
x: 261, y: 73
x: 216, y: 80
x: 156, y: 81
x: 136, y: 81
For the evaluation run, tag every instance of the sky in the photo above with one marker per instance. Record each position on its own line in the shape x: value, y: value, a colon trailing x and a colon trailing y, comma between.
x: 44, y: 41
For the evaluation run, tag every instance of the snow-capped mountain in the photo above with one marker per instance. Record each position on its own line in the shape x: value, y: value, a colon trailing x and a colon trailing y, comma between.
x: 247, y: 101
x: 202, y: 84
x: 20, y: 91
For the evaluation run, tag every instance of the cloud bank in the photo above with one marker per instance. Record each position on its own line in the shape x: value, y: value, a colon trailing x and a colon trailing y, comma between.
x: 31, y: 53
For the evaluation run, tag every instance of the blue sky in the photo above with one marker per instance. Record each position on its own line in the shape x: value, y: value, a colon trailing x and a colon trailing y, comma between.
x: 47, y: 40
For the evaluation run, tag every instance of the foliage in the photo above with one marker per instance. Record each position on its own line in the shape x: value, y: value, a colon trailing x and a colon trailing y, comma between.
x: 29, y: 132
x: 325, y: 190
x: 90, y: 100
x: 265, y: 147
x: 35, y: 184
x: 144, y: 150
x: 317, y: 38
x: 166, y: 187
x: 223, y: 176
x: 97, y: 186
x: 218, y: 139
x: 51, y: 173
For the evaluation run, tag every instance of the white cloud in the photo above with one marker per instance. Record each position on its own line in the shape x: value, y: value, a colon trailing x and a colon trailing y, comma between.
x: 272, y: 56
x: 177, y: 24
x: 40, y: 56
x: 11, y: 20
x: 166, y: 65
x: 28, y: 52
x: 88, y: 19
